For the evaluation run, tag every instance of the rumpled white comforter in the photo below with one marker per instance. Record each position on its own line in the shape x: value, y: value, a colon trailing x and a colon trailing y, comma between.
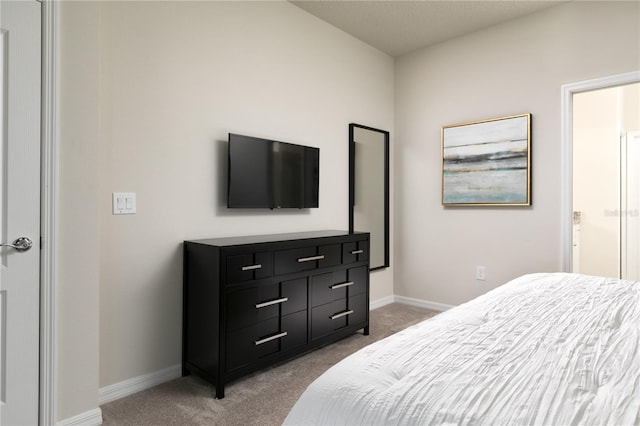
x: 545, y: 349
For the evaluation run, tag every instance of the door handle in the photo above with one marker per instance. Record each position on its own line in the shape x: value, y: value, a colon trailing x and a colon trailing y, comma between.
x: 21, y: 244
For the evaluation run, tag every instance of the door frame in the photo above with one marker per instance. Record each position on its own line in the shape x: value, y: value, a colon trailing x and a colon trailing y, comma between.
x: 628, y: 136
x: 48, y: 215
x: 566, y: 165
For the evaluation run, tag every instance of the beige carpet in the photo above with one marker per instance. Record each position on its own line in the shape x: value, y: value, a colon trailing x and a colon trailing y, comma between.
x: 263, y: 398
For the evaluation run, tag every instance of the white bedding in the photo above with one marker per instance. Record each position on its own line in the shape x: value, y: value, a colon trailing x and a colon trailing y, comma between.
x: 546, y: 349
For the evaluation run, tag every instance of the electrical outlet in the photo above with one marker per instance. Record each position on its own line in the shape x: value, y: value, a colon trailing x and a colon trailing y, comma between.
x: 481, y: 272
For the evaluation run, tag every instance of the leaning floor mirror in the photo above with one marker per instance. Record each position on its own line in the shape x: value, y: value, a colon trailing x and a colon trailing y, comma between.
x: 369, y: 189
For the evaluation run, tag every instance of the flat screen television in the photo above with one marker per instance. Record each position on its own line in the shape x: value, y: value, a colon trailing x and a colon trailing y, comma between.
x: 270, y: 174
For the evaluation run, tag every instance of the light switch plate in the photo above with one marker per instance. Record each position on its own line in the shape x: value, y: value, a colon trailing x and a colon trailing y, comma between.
x: 124, y: 203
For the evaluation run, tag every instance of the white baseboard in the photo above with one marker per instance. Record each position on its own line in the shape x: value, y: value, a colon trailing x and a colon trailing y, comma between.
x: 146, y: 381
x: 379, y: 303
x: 422, y: 303
x: 137, y: 384
x: 89, y: 418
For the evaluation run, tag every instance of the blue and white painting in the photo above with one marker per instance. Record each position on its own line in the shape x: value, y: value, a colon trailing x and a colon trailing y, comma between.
x: 487, y: 162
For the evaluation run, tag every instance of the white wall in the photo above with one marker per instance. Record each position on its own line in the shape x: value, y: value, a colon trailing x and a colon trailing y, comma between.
x: 78, y: 227
x: 513, y: 68
x: 148, y: 93
x: 175, y: 79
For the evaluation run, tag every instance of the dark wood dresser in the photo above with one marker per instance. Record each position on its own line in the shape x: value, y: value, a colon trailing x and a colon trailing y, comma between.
x: 252, y: 302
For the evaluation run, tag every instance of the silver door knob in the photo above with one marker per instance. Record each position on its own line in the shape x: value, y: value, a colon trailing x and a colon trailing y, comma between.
x: 21, y: 244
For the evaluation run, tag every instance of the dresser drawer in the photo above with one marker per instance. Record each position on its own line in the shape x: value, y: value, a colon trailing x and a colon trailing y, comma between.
x: 247, y: 267
x: 339, y: 284
x: 328, y: 287
x: 266, y: 338
x: 338, y: 314
x: 358, y: 304
x: 241, y: 344
x: 355, y: 251
x: 359, y: 276
x: 296, y: 293
x: 306, y: 258
x: 296, y: 327
x: 251, y: 305
x: 331, y: 255
x: 328, y: 318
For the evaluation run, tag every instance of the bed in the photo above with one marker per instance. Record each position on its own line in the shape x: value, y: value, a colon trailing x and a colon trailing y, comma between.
x: 543, y: 349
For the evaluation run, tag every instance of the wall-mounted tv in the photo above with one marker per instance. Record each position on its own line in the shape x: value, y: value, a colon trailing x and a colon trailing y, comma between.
x: 270, y: 174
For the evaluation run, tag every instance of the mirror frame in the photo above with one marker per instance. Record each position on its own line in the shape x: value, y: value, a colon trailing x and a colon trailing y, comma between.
x: 352, y: 189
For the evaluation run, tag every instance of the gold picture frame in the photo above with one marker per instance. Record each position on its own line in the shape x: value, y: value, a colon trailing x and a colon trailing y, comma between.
x: 487, y: 162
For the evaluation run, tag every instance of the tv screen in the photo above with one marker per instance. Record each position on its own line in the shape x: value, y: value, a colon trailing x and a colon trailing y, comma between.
x: 270, y: 174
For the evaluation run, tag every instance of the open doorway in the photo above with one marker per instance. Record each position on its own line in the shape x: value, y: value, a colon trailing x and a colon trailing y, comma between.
x: 605, y: 182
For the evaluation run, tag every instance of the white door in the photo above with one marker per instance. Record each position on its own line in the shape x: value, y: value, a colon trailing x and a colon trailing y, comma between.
x: 20, y: 102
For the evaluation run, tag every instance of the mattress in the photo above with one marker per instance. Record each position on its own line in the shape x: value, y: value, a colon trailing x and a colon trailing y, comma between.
x: 543, y: 349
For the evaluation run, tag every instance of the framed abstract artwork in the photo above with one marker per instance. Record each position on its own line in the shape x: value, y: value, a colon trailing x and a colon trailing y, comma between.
x: 487, y: 162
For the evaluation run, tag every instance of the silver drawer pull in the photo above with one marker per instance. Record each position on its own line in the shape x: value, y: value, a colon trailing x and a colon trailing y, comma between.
x: 251, y: 267
x: 341, y: 314
x: 357, y: 251
x: 336, y: 286
x: 310, y: 259
x: 270, y: 338
x: 271, y: 302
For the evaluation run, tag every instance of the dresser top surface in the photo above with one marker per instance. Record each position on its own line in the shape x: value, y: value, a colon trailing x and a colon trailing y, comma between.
x: 271, y: 238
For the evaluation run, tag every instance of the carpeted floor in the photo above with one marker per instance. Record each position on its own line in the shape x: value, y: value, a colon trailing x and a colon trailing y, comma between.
x: 263, y: 398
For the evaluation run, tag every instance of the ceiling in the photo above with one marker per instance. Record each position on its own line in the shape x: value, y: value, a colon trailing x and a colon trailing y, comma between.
x: 397, y: 27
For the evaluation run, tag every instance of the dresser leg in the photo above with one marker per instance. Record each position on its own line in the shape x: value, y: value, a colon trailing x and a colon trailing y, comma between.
x: 219, y: 391
x: 365, y: 331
